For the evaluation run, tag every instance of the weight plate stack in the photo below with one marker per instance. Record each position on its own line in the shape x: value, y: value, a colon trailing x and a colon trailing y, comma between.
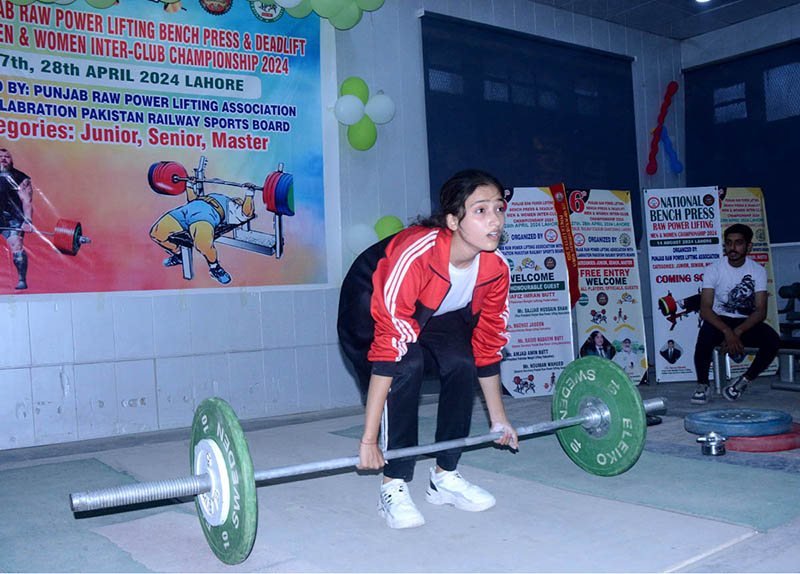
x: 739, y: 422
x: 159, y: 177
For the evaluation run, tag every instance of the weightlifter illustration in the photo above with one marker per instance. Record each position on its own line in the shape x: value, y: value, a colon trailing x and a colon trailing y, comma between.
x: 16, y: 210
x: 208, y: 219
x: 199, y: 217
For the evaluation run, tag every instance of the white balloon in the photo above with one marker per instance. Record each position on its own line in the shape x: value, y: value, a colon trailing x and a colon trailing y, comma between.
x: 359, y: 237
x: 288, y: 3
x: 380, y: 108
x: 349, y: 110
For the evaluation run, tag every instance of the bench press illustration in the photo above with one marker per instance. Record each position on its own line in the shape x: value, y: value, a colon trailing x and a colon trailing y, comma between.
x: 277, y: 194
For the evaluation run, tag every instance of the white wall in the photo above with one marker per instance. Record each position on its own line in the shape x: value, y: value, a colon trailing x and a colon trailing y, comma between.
x: 89, y: 365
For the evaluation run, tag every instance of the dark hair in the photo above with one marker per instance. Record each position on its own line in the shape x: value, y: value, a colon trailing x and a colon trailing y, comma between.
x: 671, y: 341
x: 454, y: 193
x: 741, y: 229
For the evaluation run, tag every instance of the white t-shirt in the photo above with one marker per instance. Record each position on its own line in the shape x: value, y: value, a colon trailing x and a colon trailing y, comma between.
x: 462, y: 284
x: 735, y: 287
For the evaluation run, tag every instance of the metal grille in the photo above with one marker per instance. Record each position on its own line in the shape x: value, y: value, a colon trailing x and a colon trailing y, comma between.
x: 782, y: 92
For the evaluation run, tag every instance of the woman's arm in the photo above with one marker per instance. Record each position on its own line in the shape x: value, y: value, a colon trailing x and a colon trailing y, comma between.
x: 497, y: 411
x: 369, y: 450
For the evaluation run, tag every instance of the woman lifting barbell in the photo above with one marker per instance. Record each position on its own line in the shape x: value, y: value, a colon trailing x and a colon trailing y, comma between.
x: 431, y: 297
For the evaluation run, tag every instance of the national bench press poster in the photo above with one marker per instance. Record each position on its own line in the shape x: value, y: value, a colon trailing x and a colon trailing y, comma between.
x: 166, y: 145
x: 746, y: 205
x: 683, y: 237
x: 539, y: 325
x: 609, y: 310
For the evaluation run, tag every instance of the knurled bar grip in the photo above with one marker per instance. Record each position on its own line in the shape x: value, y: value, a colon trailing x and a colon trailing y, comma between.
x: 141, y: 492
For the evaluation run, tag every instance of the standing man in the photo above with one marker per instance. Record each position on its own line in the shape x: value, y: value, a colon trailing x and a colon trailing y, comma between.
x: 16, y: 210
x: 733, y: 306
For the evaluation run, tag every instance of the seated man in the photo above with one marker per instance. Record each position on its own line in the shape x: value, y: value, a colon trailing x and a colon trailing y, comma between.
x: 733, y: 305
x: 200, y: 216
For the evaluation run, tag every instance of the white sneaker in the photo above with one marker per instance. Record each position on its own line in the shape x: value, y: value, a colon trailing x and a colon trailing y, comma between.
x: 449, y: 487
x: 396, y: 506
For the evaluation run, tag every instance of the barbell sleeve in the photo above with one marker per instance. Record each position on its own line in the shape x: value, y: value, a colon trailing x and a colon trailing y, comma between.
x: 142, y: 492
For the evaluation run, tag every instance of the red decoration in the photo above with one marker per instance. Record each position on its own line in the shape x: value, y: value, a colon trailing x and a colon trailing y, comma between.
x: 652, y: 164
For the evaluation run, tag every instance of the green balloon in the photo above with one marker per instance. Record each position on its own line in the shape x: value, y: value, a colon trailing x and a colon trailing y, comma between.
x: 327, y: 8
x: 388, y: 225
x: 301, y: 10
x: 362, y: 135
x: 347, y: 17
x: 22, y: 2
x: 355, y: 86
x: 369, y: 5
x: 101, y: 3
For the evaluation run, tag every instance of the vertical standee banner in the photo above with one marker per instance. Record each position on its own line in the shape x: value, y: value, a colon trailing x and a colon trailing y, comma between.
x: 115, y: 113
x: 746, y: 205
x: 609, y: 310
x: 539, y: 325
x: 683, y: 237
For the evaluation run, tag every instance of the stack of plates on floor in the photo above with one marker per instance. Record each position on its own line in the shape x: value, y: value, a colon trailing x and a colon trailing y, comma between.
x: 748, y: 430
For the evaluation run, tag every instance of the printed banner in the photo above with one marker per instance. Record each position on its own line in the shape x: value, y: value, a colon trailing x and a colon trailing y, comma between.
x: 609, y: 316
x: 540, y: 325
x: 683, y: 234
x: 746, y: 205
x: 159, y: 146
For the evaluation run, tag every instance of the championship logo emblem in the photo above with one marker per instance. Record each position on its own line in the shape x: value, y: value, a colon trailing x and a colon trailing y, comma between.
x: 216, y: 7
x: 266, y: 11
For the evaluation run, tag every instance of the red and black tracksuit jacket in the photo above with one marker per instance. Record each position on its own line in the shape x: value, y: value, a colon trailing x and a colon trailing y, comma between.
x: 394, y: 287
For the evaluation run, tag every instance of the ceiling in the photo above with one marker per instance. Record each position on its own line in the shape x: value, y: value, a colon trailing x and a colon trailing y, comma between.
x: 678, y: 19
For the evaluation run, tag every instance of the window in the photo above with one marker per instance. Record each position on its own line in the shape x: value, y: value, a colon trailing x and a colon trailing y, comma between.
x: 532, y: 112
x: 742, y: 121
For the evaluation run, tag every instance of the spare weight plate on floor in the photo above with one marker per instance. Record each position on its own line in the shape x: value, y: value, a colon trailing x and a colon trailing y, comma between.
x: 615, y: 445
x: 738, y: 422
x: 767, y: 443
x: 233, y: 537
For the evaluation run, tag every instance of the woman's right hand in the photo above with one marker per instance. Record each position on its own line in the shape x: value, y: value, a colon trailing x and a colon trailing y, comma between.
x: 370, y: 456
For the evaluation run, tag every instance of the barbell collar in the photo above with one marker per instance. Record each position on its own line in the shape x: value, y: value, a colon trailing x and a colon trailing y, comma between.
x: 142, y: 492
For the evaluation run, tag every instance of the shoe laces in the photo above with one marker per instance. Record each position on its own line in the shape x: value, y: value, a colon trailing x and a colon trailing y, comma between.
x: 451, y: 480
x: 395, y: 493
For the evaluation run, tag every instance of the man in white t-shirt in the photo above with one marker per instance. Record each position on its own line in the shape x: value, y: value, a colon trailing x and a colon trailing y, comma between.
x: 733, y: 305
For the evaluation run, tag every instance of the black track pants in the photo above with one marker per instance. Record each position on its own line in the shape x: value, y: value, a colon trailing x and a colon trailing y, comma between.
x: 444, y: 349
x: 762, y: 336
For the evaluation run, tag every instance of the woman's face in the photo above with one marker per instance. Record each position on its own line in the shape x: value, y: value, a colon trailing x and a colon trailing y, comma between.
x: 482, y: 224
x: 598, y: 339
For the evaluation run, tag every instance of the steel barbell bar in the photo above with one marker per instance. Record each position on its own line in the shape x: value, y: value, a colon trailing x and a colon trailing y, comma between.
x: 152, y: 491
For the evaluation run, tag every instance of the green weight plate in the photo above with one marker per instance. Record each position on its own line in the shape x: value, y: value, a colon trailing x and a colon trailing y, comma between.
x: 232, y: 540
x: 615, y: 446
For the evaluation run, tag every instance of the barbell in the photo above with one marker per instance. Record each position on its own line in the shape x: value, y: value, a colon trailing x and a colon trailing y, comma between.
x: 170, y: 178
x: 598, y: 415
x: 67, y: 235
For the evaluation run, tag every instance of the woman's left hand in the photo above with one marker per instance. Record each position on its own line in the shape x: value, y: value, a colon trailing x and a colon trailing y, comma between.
x: 509, y: 437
